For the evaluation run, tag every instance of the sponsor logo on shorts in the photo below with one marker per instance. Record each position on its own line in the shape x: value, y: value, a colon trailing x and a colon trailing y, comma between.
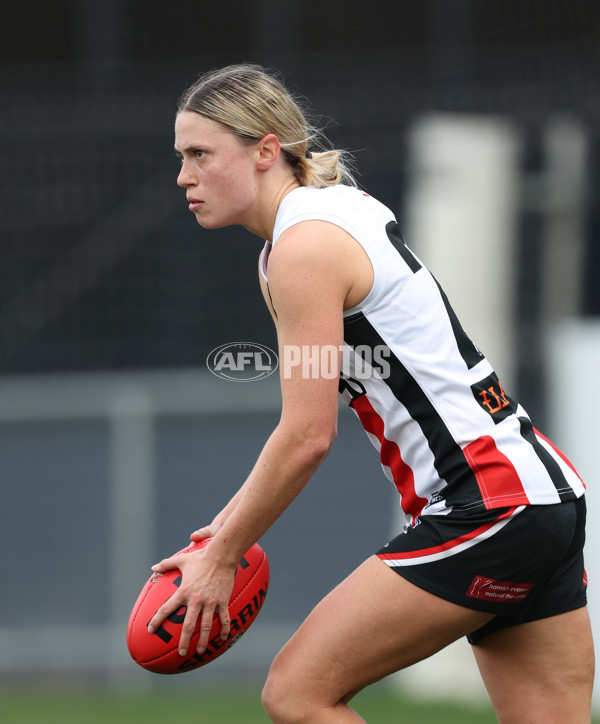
x: 487, y: 589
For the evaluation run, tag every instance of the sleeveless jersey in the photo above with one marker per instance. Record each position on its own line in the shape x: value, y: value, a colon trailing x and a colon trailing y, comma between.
x: 448, y: 435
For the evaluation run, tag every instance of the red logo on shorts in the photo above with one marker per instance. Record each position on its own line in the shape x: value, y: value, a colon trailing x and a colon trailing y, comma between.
x: 487, y: 589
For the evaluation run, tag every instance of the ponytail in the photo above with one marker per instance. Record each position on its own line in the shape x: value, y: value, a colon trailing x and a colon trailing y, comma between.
x: 323, y: 168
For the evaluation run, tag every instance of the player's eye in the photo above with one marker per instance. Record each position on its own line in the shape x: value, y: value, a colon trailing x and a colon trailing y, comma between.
x: 199, y: 153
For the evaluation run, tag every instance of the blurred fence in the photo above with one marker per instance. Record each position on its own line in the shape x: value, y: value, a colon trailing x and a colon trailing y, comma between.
x: 105, y: 474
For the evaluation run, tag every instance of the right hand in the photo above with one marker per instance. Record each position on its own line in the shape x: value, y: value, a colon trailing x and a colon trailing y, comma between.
x: 205, y: 591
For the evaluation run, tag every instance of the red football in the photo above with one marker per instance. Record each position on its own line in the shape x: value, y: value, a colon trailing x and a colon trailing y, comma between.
x: 158, y: 651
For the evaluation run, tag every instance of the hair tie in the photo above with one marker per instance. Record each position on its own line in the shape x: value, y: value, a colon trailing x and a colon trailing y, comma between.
x: 308, y: 154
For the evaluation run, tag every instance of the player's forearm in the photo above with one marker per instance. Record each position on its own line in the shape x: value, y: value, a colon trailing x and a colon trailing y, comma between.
x: 221, y: 517
x: 283, y: 468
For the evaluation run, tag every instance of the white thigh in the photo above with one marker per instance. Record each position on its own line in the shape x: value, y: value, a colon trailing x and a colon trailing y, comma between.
x: 374, y: 623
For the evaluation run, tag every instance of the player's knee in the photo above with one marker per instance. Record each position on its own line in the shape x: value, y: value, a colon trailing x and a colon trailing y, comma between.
x: 572, y: 680
x: 279, y: 698
x: 577, y: 682
x: 275, y: 700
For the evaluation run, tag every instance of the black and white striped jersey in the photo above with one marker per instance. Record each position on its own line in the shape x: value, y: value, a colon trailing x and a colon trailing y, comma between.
x: 447, y: 433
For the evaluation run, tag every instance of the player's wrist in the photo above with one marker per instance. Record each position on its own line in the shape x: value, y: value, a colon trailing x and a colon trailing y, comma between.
x: 222, y: 553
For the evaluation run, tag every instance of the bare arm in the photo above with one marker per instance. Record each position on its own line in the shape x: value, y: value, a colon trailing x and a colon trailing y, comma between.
x: 309, y: 287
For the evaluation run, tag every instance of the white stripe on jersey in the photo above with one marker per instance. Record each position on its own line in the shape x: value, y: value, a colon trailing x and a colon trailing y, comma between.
x: 446, y: 432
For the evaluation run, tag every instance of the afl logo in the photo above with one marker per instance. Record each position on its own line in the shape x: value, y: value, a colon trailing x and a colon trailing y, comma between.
x: 242, y: 361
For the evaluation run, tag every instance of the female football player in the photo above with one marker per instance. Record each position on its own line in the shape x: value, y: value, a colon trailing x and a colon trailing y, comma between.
x: 493, y: 545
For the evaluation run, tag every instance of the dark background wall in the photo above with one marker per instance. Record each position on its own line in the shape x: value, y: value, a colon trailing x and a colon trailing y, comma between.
x: 102, y: 266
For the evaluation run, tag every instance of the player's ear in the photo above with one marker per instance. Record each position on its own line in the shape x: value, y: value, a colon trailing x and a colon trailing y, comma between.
x: 269, y: 149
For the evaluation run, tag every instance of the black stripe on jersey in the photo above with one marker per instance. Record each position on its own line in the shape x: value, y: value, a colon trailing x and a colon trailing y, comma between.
x: 468, y: 351
x: 395, y: 236
x: 449, y: 459
x: 559, y: 481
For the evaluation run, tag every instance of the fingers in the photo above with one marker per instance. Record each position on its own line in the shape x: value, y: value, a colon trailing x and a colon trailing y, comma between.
x: 191, y: 611
x: 206, y: 622
x: 186, y: 609
x: 167, y: 564
x: 172, y: 604
x: 201, y: 534
x: 166, y: 611
x: 194, y: 611
x: 197, y: 603
x: 188, y: 627
x: 223, y: 612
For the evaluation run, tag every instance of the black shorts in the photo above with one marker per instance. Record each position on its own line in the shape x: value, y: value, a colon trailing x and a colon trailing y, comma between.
x: 522, y: 563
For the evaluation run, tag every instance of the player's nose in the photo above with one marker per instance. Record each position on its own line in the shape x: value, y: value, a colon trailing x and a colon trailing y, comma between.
x: 186, y: 176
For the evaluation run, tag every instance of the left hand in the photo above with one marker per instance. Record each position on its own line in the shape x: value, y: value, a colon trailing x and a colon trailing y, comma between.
x: 205, y: 590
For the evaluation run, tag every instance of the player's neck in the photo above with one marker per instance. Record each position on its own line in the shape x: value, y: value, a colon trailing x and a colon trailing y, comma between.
x: 263, y: 222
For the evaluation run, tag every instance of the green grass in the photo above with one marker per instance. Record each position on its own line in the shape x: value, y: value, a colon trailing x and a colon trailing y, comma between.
x: 378, y: 706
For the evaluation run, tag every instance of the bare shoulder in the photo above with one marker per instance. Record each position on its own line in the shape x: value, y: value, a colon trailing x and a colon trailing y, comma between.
x: 311, y: 241
x: 316, y: 253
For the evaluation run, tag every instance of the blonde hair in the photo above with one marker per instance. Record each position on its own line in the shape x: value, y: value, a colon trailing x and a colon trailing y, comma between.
x: 251, y: 103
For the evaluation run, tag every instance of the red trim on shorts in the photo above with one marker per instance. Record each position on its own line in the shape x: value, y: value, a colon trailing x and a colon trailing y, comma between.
x: 496, y: 476
x: 390, y: 455
x: 560, y: 453
x: 448, y: 545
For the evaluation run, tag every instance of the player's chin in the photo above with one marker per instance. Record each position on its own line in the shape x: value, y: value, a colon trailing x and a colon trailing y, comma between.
x: 207, y: 223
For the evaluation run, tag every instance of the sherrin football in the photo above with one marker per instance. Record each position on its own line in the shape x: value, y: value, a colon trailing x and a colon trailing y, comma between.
x: 158, y: 652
